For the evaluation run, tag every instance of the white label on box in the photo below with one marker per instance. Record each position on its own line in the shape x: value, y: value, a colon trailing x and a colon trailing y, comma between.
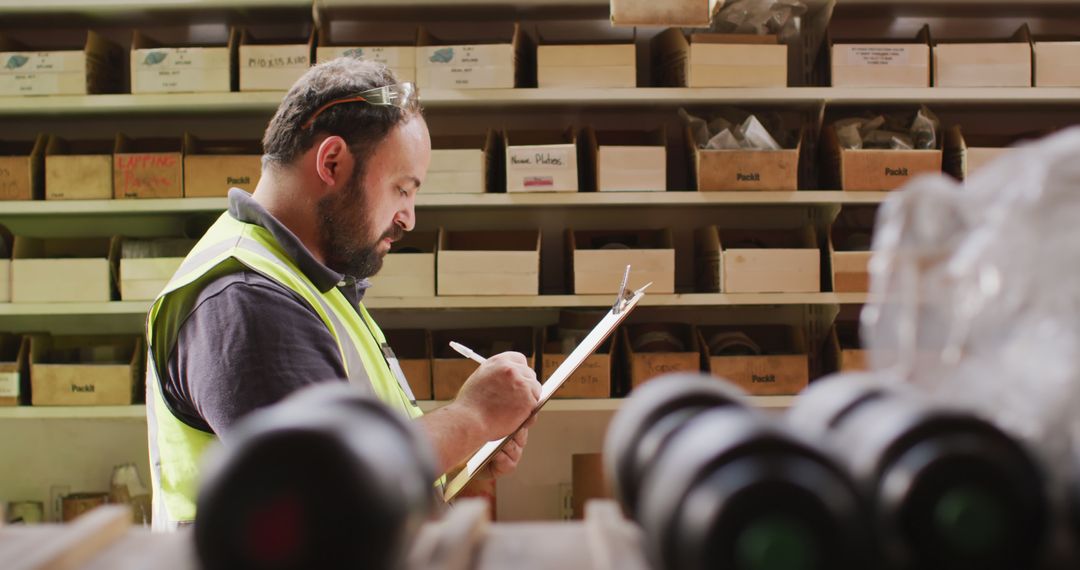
x: 43, y: 73
x: 43, y: 61
x: 266, y: 57
x: 9, y: 384
x: 878, y: 55
x: 539, y: 159
x: 390, y: 56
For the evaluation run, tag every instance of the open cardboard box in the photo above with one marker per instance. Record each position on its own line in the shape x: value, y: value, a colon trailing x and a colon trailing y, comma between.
x: 850, y: 238
x: 541, y: 161
x: 393, y: 47
x: 881, y: 62
x: 464, y: 164
x: 147, y: 265
x: 967, y: 153
x: 874, y: 170
x: 74, y: 270
x: 598, y: 258
x: 78, y: 170
x: 719, y: 60
x: 85, y: 370
x: 22, y: 165
x: 1057, y: 61
x: 182, y: 68
x: 501, y: 58
x: 212, y: 167
x: 591, y: 380
x: 992, y: 62
x: 682, y: 13
x: 758, y: 261
x: 575, y: 58
x: 735, y: 170
x: 147, y: 168
x: 625, y: 161
x: 450, y: 370
x: 409, y: 269
x: 655, y: 354
x: 14, y: 374
x: 488, y: 262
x: 413, y: 350
x: 587, y: 481
x: 96, y: 66
x: 273, y: 62
x: 843, y: 350
x: 779, y: 367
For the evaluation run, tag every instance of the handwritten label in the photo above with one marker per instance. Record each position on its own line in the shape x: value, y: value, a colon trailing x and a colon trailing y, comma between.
x: 143, y: 175
x: 277, y: 62
x: 902, y: 171
x: 531, y: 158
x: 9, y: 385
x: 878, y: 55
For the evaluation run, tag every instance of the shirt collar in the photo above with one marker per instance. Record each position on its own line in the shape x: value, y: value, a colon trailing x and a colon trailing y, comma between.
x: 245, y: 209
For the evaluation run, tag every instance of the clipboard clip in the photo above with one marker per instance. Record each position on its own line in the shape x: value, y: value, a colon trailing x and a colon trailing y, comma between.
x: 624, y: 295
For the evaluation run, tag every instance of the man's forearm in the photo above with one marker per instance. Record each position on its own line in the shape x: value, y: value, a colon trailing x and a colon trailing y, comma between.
x: 455, y: 434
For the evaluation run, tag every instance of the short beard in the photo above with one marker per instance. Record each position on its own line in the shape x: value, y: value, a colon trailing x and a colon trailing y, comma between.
x: 343, y: 229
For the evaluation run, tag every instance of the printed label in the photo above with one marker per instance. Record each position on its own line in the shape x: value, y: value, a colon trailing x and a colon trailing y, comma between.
x: 9, y: 385
x: 748, y: 177
x: 902, y: 171
x: 878, y: 55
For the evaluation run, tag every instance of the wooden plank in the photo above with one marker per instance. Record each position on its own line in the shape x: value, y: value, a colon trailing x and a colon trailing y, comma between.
x: 78, y: 542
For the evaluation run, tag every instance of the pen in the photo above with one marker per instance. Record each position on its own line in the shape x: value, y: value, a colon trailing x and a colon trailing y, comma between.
x: 467, y: 352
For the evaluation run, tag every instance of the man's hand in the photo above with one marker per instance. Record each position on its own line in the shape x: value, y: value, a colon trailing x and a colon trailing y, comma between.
x: 501, y: 394
x: 506, y: 460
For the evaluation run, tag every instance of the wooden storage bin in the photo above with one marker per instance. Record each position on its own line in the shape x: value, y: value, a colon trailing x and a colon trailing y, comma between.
x: 147, y: 168
x: 850, y: 238
x: 758, y: 261
x: 1057, y: 62
x: 190, y: 68
x: 95, y: 66
x: 413, y: 350
x: 488, y: 263
x: 78, y: 170
x: 965, y: 154
x: 874, y: 170
x: 394, y: 48
x: 212, y: 167
x: 652, y: 358
x: 408, y: 270
x: 22, y: 165
x: 595, y: 268
x: 273, y: 62
x: 147, y: 265
x: 14, y: 374
x: 450, y: 370
x: 843, y: 350
x: 541, y: 161
x: 591, y: 380
x: 566, y: 60
x: 984, y: 62
x: 626, y: 161
x: 501, y: 58
x: 85, y: 370
x: 881, y: 62
x: 719, y: 60
x: 780, y: 367
x: 735, y: 170
x: 71, y: 270
x: 683, y: 13
x: 463, y: 164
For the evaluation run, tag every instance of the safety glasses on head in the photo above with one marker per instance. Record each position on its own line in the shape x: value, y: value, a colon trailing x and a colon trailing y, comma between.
x: 401, y: 95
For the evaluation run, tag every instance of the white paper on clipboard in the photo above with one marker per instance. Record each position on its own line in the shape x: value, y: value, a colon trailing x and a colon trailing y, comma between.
x: 588, y: 345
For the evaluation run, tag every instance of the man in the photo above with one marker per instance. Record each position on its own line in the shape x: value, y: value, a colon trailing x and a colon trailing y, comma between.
x: 269, y: 300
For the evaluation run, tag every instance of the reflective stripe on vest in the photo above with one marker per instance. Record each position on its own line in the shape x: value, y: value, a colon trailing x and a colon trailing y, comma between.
x: 230, y: 246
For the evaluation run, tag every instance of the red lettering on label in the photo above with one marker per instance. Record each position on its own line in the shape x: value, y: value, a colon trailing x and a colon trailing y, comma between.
x: 146, y: 174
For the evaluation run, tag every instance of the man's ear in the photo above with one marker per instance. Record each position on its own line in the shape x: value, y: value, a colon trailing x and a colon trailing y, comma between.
x: 333, y: 161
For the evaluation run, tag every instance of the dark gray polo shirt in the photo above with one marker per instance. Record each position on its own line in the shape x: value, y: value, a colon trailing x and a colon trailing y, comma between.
x: 250, y: 341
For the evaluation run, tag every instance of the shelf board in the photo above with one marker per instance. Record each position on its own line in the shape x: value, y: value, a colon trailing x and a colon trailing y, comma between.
x: 137, y: 411
x: 613, y: 404
x: 266, y: 102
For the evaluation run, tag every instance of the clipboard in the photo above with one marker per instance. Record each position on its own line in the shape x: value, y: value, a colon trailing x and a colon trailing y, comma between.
x: 624, y: 303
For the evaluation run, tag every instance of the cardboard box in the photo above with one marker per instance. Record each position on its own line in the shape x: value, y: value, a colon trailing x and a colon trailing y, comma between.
x: 14, y: 374
x: 408, y: 270
x: 878, y: 63
x: 541, y: 161
x: 758, y: 261
x: 413, y: 350
x: 394, y: 48
x: 450, y: 370
x: 157, y: 68
x: 591, y: 380
x: 502, y: 59
x: 874, y: 170
x: 850, y: 239
x: 984, y: 63
x: 1057, y: 63
x: 488, y: 263
x: 588, y: 481
x: 626, y: 161
x: 463, y: 164
x: 587, y: 65
x: 5, y: 280
x: 75, y: 270
x: 965, y: 153
x: 719, y: 60
x: 597, y: 260
x: 85, y: 370
x: 273, y: 64
x: 211, y: 168
x: 763, y: 360
x: 684, y: 13
x: 843, y: 350
x: 661, y: 348
x: 147, y: 168
x: 147, y: 265
x: 739, y: 170
x: 94, y: 67
x: 78, y: 170
x: 22, y: 165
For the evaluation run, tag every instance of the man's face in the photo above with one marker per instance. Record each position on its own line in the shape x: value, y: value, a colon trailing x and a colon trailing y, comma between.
x: 362, y: 220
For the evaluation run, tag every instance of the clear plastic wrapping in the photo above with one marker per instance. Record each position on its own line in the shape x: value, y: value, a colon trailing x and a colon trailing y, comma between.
x: 893, y: 131
x: 734, y: 129
x: 780, y: 17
